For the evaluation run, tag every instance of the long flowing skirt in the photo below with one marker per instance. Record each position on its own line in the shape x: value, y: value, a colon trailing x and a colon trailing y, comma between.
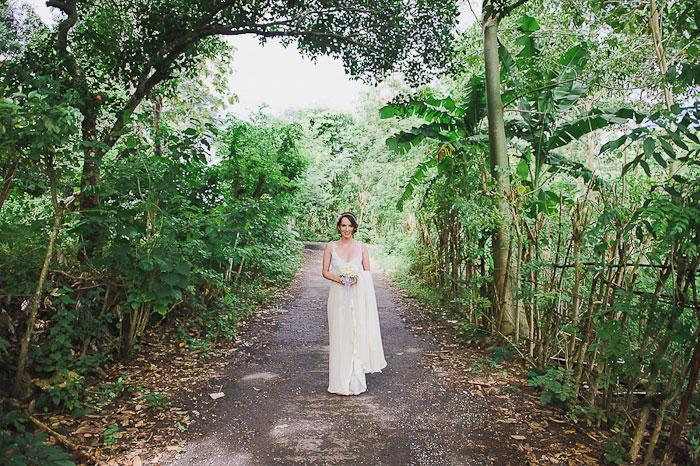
x: 355, y: 339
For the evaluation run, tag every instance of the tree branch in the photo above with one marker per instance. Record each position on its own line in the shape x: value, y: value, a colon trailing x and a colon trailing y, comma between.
x: 69, y: 9
x: 512, y: 7
x: 63, y: 440
x: 497, y: 15
x: 157, y: 68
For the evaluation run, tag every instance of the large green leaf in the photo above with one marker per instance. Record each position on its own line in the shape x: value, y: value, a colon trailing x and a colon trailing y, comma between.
x: 414, y: 180
x: 528, y: 24
x: 403, y: 141
x: 529, y: 49
x: 591, y: 121
x: 508, y: 65
x: 447, y: 121
x: 434, y: 110
x: 575, y: 169
x: 570, y: 89
x: 475, y: 104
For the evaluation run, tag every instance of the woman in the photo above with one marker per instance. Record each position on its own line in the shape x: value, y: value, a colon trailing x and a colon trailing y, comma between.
x: 353, y: 322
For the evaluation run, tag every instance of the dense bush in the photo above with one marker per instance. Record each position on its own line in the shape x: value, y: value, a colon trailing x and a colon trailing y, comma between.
x: 193, y: 223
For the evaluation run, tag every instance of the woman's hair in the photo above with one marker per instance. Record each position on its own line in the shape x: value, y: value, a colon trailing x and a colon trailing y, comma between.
x: 351, y: 218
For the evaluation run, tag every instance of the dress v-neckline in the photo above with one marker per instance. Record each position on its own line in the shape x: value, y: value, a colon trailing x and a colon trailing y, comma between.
x: 335, y: 248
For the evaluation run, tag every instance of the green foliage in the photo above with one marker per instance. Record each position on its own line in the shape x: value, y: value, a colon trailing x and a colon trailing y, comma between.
x: 542, y: 96
x: 669, y: 136
x: 557, y: 386
x: 693, y: 437
x: 73, y: 323
x: 35, y: 138
x: 446, y: 121
x: 480, y: 365
x: 468, y: 333
x: 578, y: 226
x: 615, y: 452
x: 350, y: 170
x: 503, y: 353
x: 64, y: 389
x: 29, y: 449
x: 155, y: 400
x: 18, y: 447
x: 452, y: 125
x: 4, y: 347
x: 179, y: 235
x: 111, y: 435
x: 13, y: 421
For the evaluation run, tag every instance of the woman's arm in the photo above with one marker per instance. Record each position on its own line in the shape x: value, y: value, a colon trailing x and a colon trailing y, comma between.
x: 327, y: 263
x: 365, y: 257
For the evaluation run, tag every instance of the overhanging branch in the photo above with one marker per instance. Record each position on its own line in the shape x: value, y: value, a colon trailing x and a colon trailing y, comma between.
x: 69, y: 9
x: 157, y: 68
x: 514, y: 6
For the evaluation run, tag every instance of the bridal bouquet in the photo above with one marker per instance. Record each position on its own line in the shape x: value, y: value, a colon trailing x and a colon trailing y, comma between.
x: 347, y: 274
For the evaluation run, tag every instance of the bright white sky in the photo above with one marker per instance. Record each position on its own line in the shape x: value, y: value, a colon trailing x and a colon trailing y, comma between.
x: 279, y: 77
x: 282, y: 79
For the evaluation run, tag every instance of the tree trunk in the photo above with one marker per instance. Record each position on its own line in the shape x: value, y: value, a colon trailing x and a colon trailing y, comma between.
x: 157, y: 112
x: 89, y: 198
x: 498, y: 157
x: 655, y: 26
x: 590, y: 156
x: 260, y: 188
x: 677, y: 427
x: 668, y: 398
x: 7, y: 182
x: 36, y: 299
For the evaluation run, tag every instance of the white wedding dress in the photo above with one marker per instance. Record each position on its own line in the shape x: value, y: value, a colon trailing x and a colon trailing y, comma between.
x: 353, y: 327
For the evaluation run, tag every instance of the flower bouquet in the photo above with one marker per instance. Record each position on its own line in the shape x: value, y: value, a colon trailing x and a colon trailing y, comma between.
x: 347, y: 274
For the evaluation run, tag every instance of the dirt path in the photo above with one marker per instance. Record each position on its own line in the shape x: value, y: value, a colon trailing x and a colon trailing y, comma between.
x: 276, y: 409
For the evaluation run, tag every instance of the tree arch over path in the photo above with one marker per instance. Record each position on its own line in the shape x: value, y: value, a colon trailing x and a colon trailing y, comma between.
x: 145, y: 43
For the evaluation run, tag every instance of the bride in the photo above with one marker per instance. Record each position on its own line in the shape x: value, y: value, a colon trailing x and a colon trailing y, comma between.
x: 353, y: 322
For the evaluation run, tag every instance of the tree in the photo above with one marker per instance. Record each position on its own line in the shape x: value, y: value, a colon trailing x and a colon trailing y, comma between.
x: 116, y: 53
x: 498, y: 157
x: 37, y: 129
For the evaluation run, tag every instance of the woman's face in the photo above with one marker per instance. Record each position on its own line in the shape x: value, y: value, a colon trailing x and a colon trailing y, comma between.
x: 345, y: 228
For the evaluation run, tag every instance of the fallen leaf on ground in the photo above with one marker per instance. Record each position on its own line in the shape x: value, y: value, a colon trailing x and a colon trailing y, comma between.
x: 518, y: 437
x: 216, y: 396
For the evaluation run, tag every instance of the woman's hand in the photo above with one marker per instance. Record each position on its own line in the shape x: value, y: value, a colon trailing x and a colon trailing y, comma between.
x: 340, y: 281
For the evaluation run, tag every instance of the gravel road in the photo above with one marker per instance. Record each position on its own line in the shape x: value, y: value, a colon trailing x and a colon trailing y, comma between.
x: 276, y: 409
